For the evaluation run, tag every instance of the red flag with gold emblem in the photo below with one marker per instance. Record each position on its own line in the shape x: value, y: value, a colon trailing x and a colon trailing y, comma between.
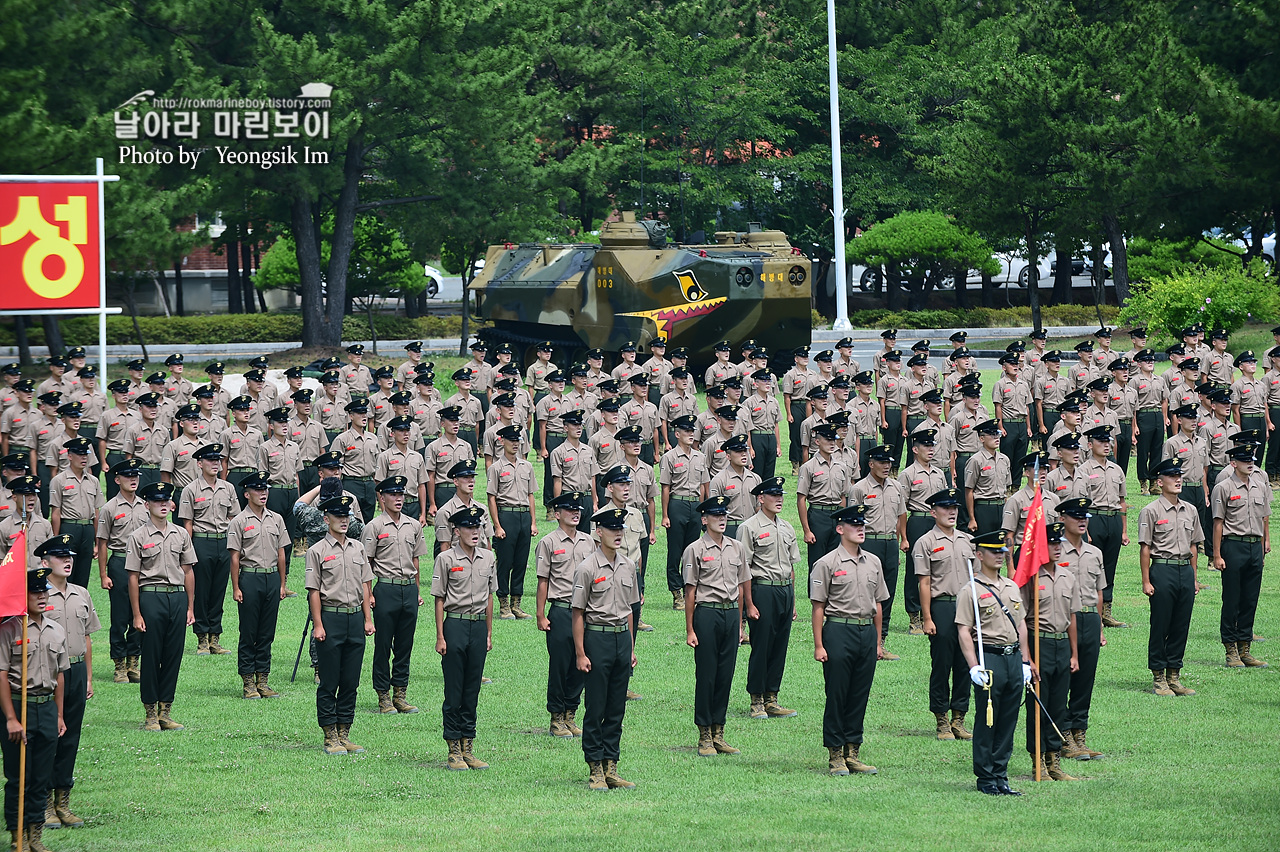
x: 1035, y: 548
x: 13, y: 578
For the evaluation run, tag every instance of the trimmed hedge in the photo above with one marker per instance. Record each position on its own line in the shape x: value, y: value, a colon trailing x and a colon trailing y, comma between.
x: 974, y: 317
x: 231, y: 328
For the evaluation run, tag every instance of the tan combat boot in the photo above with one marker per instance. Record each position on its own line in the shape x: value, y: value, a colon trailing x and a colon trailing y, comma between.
x: 384, y: 702
x: 469, y: 757
x: 889, y: 656
x: 1108, y: 620
x: 135, y: 673
x: 122, y: 671
x: 757, y: 707
x: 35, y: 834
x: 51, y: 811
x: 18, y: 841
x: 202, y: 644
x: 570, y: 724
x: 344, y: 737
x: 705, y: 747
x: 398, y: 700
x: 596, y: 779
x: 263, y: 688
x: 250, y: 686
x: 1071, y: 747
x: 315, y: 674
x: 1161, y: 685
x: 152, y: 722
x: 835, y: 761
x: 632, y: 695
x: 62, y: 806
x: 215, y: 644
x: 455, y: 762
x: 332, y: 745
x: 1174, y: 680
x: 917, y: 624
x: 644, y: 628
x: 558, y: 727
x: 717, y: 740
x: 1247, y: 658
x: 516, y: 610
x: 677, y: 600
x: 166, y: 721
x: 944, y: 727
x: 854, y: 764
x: 504, y: 608
x: 1055, y: 769
x: 613, y: 779
x: 1083, y: 741
x: 958, y: 728
x: 774, y: 709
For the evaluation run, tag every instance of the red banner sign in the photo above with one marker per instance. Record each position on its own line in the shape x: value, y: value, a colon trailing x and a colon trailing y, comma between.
x: 49, y: 246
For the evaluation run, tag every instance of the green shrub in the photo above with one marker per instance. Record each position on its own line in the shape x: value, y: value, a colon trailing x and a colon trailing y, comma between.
x: 1222, y: 297
x: 1151, y: 260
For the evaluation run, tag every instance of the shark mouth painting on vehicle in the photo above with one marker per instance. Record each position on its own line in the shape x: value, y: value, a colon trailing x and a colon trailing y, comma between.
x: 666, y: 318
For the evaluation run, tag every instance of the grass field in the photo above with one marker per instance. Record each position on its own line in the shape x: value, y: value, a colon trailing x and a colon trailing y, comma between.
x: 1197, y: 772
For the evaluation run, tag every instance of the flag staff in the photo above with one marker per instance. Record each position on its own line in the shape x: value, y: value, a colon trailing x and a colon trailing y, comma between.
x: 20, y: 545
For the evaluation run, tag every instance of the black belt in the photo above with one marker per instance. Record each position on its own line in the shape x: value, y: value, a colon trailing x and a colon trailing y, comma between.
x: 718, y: 605
x: 1252, y: 539
x: 607, y: 628
x: 1001, y: 650
x: 346, y: 610
x: 466, y: 616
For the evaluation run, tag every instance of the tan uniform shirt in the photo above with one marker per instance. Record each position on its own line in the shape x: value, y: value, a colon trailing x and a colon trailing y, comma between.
x: 443, y: 453
x: 357, y: 379
x: 157, y: 556
x: 405, y: 373
x: 394, y: 548
x: 17, y: 422
x: 892, y: 389
x: 605, y: 592
x: 338, y: 571
x: 1106, y: 483
x: 1171, y: 530
x: 282, y: 461
x: 642, y: 415
x: 56, y: 453
x: 1051, y: 390
x: 944, y: 440
x: 1272, y: 378
x: 944, y: 559
x: 717, y: 571
x: 359, y: 452
x: 1193, y: 452
x: 864, y: 417
x: 379, y: 408
x: 1014, y: 398
x: 94, y: 404
x: 38, y: 532
x: 331, y: 411
x: 392, y: 462
x: 1217, y: 436
x: 1059, y: 600
x: 644, y: 487
x: 243, y: 448
x: 915, y: 389
x: 426, y: 415
x: 1123, y: 400
x: 1018, y: 505
x: 606, y: 449
x: 444, y: 529
x: 493, y: 444
x: 146, y: 444
x: 823, y: 482
x: 1250, y: 395
x: 179, y: 460
x: 510, y: 483
x: 988, y: 476
x: 737, y: 488
x: 73, y: 610
x: 996, y: 628
x: 625, y: 370
x: 718, y: 372
x: 536, y: 376
x: 465, y: 583
x: 797, y: 382
x: 47, y: 656
x: 1086, y: 565
x: 1150, y: 390
x: 550, y: 410
x: 885, y: 502
x: 258, y: 539
x: 472, y: 411
x: 965, y: 423
x: 1243, y: 505
x: 676, y: 404
x: 118, y: 518
x: 684, y: 473
x: 78, y: 497
x: 1093, y: 417
x: 920, y: 484
x: 557, y: 557
x: 113, y: 427
x: 210, y: 508
x: 1220, y: 367
x: 763, y: 413
x: 575, y: 467
x: 772, y: 547
x: 851, y: 586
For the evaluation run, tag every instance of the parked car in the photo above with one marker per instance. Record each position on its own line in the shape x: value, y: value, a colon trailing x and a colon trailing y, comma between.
x: 435, y: 279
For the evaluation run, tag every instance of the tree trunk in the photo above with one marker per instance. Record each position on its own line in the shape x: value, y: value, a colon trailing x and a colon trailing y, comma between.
x: 1119, y: 258
x: 132, y: 304
x: 411, y: 304
x: 1033, y: 275
x: 234, y: 292
x: 988, y: 287
x: 179, y: 307
x: 246, y: 276
x: 889, y: 280
x: 307, y: 251
x: 1098, y: 282
x: 158, y: 280
x: 344, y: 220
x: 1062, y: 275
x: 962, y: 282
x: 24, y: 345
x: 53, y: 335
x: 373, y: 330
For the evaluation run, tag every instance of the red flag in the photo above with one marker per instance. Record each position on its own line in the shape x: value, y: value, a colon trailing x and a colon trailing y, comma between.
x: 13, y: 578
x: 1035, y: 549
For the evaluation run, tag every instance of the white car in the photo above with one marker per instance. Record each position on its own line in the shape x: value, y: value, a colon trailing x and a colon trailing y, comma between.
x: 435, y: 279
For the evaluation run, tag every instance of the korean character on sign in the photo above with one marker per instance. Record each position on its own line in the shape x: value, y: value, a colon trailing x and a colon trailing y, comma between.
x: 256, y: 125
x: 186, y: 123
x: 286, y: 125
x: 155, y: 124
x: 316, y: 124
x: 126, y: 126
x: 226, y: 124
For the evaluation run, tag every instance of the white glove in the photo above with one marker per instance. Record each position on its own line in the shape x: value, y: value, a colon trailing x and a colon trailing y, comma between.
x: 979, y: 677
x: 1026, y: 674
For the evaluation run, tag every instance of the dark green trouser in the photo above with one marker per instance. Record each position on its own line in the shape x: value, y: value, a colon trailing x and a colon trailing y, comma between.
x: 64, y: 762
x: 1195, y: 495
x: 1106, y: 532
x: 1055, y: 680
x: 1015, y: 441
x: 512, y: 552
x: 1241, y: 586
x: 646, y: 452
x: 1171, y: 603
x: 1051, y: 419
x: 1124, y: 445
x: 847, y: 673
x: 308, y: 478
x: 361, y: 488
x: 564, y: 681
x: 45, y: 476
x: 686, y: 526
x: 993, y: 744
x: 962, y: 518
x: 280, y: 501
x: 90, y: 434
x: 82, y: 541
x: 948, y: 672
x: 330, y: 435
x: 394, y: 620
x: 462, y: 667
x: 918, y: 523
x: 124, y: 640
x: 1088, y: 639
x: 886, y: 550
x: 469, y: 435
x: 412, y: 509
x: 338, y: 660
x: 212, y: 573
x: 113, y: 459
x: 1150, y: 441
x: 444, y: 492
x: 988, y: 513
x: 731, y: 529
x: 1273, y: 444
x: 605, y: 693
x: 866, y: 443
x: 713, y: 662
x: 1253, y: 421
x: 165, y: 614
x: 42, y: 742
x: 765, y: 446
x: 258, y: 614
x: 824, y: 533
x: 793, y: 431
x: 554, y: 440
x: 146, y: 476
x: 913, y: 421
x: 236, y: 476
x: 892, y: 435
x: 770, y: 634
